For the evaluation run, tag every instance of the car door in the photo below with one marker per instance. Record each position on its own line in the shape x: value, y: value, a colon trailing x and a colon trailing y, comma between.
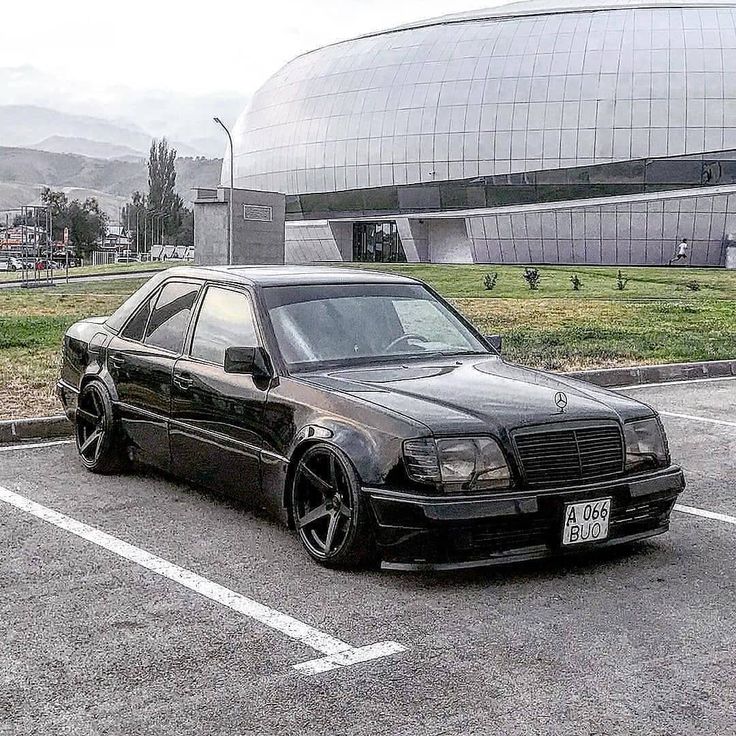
x: 217, y: 417
x: 141, y: 360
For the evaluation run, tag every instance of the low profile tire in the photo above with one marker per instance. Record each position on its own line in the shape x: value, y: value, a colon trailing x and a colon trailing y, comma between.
x: 331, y: 516
x: 96, y: 431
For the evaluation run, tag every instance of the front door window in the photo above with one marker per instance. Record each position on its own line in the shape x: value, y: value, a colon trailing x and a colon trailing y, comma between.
x: 225, y: 321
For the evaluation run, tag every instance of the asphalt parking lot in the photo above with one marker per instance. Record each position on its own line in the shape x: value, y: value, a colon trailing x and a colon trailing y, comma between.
x: 99, y: 637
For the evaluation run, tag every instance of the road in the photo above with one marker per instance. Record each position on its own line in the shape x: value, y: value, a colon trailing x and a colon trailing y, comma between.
x: 638, y: 641
x: 60, y: 280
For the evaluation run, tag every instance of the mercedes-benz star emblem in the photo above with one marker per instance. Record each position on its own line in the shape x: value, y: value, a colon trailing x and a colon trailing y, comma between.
x: 561, y: 401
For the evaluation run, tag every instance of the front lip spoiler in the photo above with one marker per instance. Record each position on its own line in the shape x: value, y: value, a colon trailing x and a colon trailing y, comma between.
x: 527, y: 555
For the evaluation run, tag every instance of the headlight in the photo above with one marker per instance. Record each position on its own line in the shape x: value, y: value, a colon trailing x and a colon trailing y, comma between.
x: 460, y: 464
x: 646, y: 445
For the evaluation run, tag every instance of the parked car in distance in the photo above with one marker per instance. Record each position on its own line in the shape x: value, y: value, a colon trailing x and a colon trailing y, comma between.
x: 127, y: 259
x: 10, y: 263
x: 368, y: 414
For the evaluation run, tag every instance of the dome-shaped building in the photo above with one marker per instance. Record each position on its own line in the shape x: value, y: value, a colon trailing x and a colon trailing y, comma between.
x: 568, y: 133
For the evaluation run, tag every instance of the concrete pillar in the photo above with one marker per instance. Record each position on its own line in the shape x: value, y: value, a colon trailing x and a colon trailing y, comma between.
x: 258, y: 226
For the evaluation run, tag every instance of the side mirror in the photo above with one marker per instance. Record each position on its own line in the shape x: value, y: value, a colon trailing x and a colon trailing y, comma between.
x: 248, y: 361
x: 495, y: 341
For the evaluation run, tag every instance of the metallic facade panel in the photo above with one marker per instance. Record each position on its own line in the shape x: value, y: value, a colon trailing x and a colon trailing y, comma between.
x: 513, y: 89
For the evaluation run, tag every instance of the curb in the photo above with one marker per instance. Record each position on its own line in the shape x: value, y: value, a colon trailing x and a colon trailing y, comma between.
x: 38, y: 428
x: 643, y: 374
x: 42, y: 428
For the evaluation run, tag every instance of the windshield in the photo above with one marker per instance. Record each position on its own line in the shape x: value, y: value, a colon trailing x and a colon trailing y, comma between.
x: 336, y: 323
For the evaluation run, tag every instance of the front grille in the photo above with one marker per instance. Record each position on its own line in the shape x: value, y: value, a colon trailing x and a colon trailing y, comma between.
x: 578, y: 454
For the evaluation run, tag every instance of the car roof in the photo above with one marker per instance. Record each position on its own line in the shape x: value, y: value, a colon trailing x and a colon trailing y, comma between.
x: 290, y: 275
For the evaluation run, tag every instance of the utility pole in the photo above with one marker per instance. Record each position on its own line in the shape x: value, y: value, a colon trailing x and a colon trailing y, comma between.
x: 232, y: 191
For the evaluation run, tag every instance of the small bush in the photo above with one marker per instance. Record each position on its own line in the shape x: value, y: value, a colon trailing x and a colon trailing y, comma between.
x: 489, y: 281
x: 621, y: 281
x: 532, y: 278
x: 693, y: 286
x: 576, y: 282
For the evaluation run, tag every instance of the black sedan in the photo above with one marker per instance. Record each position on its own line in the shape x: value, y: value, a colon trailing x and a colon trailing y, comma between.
x: 368, y: 414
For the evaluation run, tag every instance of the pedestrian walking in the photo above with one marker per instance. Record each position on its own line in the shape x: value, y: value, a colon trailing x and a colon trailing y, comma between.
x: 681, y: 254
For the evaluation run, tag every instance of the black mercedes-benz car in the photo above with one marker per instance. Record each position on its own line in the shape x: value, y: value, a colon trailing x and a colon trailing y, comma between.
x: 368, y: 414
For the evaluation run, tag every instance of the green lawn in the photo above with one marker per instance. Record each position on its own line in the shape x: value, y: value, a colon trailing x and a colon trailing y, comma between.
x: 656, y: 319
x: 597, y: 281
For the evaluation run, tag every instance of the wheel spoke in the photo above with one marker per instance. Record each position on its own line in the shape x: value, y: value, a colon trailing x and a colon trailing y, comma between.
x: 94, y: 437
x: 314, y: 515
x: 96, y: 403
x: 315, y: 479
x: 346, y: 511
x: 334, y: 520
x: 87, y: 416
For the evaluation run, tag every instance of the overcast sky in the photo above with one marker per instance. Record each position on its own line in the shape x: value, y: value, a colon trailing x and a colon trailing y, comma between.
x: 228, y: 46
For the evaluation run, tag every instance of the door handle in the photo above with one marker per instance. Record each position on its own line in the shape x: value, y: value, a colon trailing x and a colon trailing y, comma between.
x: 183, y: 382
x: 116, y: 360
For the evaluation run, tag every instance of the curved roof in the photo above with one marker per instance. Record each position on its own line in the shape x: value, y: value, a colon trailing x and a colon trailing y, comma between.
x: 542, y: 7
x: 533, y: 88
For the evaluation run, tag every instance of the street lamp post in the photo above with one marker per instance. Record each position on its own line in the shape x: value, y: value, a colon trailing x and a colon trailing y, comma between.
x: 232, y: 189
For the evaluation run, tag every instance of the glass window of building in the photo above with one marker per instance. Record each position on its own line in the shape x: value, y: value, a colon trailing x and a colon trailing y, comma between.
x: 377, y: 242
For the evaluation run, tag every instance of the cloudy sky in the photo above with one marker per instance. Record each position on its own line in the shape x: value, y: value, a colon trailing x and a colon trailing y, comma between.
x: 165, y: 67
x: 195, y: 48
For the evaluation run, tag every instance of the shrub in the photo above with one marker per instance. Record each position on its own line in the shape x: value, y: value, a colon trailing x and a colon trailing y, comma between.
x: 532, y: 278
x: 489, y: 281
x: 576, y: 282
x: 621, y: 281
x: 693, y: 285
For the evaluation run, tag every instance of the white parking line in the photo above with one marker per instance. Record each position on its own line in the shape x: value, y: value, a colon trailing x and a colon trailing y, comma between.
x: 692, y: 418
x: 705, y: 514
x: 34, y: 445
x: 338, y: 653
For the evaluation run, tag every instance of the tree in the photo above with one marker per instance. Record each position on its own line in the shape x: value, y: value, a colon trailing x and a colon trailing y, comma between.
x: 185, y: 233
x: 58, y: 206
x: 133, y: 216
x: 162, y: 196
x: 86, y: 221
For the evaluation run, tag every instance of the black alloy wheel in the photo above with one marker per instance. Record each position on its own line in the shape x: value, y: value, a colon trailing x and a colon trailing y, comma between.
x: 330, y: 515
x: 96, y: 431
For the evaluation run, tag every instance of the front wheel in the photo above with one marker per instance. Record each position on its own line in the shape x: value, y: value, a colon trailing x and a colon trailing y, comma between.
x: 96, y: 431
x: 331, y: 516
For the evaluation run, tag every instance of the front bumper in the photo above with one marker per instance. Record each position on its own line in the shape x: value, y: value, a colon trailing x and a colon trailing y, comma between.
x: 416, y: 532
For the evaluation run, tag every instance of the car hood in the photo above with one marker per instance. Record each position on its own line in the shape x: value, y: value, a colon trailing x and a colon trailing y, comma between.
x: 478, y: 395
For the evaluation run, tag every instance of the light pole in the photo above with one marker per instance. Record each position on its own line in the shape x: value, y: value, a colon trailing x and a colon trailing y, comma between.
x: 232, y: 189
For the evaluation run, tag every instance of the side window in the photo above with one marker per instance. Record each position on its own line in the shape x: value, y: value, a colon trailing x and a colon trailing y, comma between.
x: 136, y: 328
x: 225, y: 321
x: 168, y: 323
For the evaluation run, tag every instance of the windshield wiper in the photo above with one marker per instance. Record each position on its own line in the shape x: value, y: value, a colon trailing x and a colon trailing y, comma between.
x: 447, y: 353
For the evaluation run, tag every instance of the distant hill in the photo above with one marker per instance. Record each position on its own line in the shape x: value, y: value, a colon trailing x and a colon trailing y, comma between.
x: 13, y: 196
x: 24, y: 172
x: 25, y: 125
x: 86, y: 147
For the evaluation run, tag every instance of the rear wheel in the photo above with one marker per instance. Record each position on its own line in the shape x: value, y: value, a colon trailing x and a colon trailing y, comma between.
x: 331, y: 516
x: 96, y: 431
